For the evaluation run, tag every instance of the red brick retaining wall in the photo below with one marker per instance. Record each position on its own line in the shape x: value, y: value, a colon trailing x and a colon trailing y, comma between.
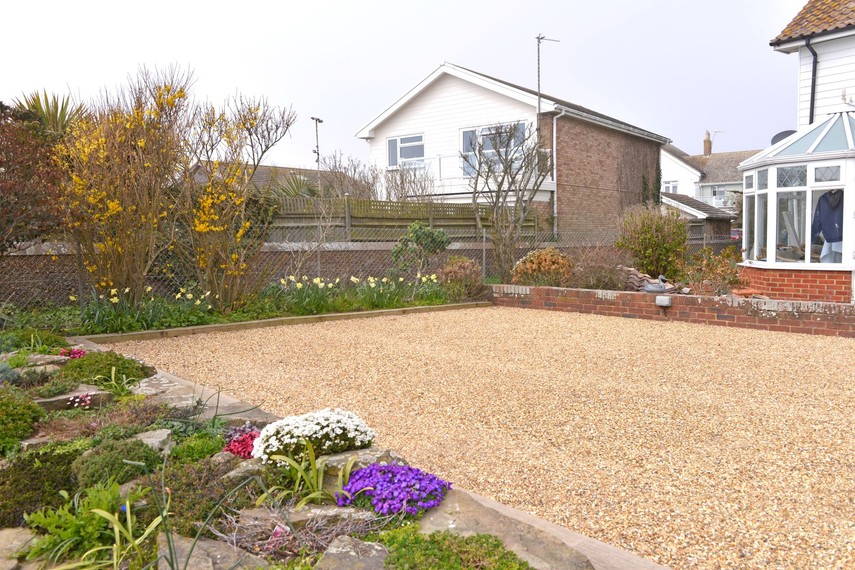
x: 830, y: 319
x: 800, y: 285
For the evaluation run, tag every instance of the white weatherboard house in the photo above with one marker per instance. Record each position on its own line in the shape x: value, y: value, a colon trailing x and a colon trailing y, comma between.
x: 600, y: 163
x: 799, y: 194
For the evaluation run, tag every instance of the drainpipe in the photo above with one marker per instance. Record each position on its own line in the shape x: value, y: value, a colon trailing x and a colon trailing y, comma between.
x: 812, y: 80
x: 555, y: 171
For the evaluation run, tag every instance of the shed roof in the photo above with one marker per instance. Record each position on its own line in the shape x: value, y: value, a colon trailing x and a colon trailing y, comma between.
x: 696, y: 207
x: 818, y: 17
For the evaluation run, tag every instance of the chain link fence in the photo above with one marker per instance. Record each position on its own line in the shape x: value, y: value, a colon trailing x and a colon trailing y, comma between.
x: 52, y: 274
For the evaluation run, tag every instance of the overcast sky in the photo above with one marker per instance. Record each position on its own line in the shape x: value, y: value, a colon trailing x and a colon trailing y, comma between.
x: 675, y: 67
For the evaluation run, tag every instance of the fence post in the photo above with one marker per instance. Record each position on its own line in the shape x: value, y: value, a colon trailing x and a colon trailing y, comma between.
x: 80, y: 274
x: 347, y: 220
x: 318, y: 247
x: 484, y: 254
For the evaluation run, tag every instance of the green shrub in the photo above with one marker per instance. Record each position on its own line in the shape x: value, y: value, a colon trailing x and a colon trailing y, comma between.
x: 69, y: 531
x: 32, y: 339
x: 19, y: 359
x: 197, y: 447
x: 656, y: 241
x: 711, y: 274
x: 108, y: 460
x: 410, y: 549
x: 545, y: 268
x: 8, y: 375
x: 93, y: 364
x: 54, y: 387
x: 196, y: 488
x: 413, y: 252
x: 74, y: 447
x: 33, y: 481
x: 18, y: 414
x: 462, y: 278
x: 117, y: 432
x: 33, y: 377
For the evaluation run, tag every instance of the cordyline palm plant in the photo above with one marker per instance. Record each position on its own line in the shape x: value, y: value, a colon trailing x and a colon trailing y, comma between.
x: 53, y: 116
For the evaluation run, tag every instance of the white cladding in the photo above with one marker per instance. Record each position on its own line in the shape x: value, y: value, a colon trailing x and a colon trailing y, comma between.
x: 440, y: 113
x: 675, y: 170
x: 835, y: 72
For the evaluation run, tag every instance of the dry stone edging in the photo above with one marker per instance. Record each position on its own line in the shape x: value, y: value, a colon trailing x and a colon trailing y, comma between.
x: 207, y: 554
x: 12, y: 541
x: 97, y: 398
x: 348, y: 553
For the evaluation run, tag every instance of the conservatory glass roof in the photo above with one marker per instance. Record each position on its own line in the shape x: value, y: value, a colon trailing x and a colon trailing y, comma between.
x: 829, y: 138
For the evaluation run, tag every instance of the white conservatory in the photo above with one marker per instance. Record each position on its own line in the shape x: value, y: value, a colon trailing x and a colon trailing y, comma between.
x: 799, y: 213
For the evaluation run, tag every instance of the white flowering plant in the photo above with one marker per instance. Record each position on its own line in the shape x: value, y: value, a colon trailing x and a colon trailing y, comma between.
x: 328, y: 431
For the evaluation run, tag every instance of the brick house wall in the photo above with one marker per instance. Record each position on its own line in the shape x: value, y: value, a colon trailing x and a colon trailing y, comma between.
x: 800, y: 285
x: 599, y: 172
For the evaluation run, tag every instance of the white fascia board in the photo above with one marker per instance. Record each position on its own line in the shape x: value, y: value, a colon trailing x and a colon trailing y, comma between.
x: 367, y: 132
x: 602, y: 121
x: 794, y: 45
x: 683, y: 164
x: 680, y: 206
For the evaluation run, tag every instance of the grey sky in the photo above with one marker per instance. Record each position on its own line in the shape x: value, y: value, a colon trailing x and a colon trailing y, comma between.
x: 675, y: 67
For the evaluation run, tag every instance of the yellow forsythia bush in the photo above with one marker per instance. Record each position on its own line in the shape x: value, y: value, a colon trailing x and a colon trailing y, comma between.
x: 544, y: 267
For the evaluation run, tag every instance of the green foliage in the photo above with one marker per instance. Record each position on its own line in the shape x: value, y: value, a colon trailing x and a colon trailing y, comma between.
x: 18, y: 360
x: 73, y: 447
x: 462, y: 278
x: 308, y: 297
x: 413, y: 252
x: 373, y: 293
x: 93, y: 364
x: 54, y: 387
x: 117, y: 432
x: 18, y: 414
x: 8, y: 374
x: 73, y: 529
x: 656, y: 241
x: 428, y: 291
x: 545, y: 268
x: 33, y: 340
x: 109, y: 459
x: 33, y: 481
x: 196, y: 489
x: 116, y: 384
x: 446, y: 551
x: 33, y: 377
x: 198, y: 446
x: 708, y: 273
x: 307, y: 479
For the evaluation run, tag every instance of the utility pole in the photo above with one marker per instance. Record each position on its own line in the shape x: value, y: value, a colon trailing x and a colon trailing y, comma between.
x: 317, y: 151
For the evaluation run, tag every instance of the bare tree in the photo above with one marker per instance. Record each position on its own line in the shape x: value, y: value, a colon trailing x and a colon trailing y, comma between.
x: 507, y: 166
x: 409, y: 182
x: 342, y: 175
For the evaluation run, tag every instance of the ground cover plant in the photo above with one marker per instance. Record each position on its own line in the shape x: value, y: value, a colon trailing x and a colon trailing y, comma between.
x: 18, y: 415
x: 543, y: 267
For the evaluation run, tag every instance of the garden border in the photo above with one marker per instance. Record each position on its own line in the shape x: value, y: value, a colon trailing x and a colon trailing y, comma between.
x: 807, y: 317
x: 274, y: 322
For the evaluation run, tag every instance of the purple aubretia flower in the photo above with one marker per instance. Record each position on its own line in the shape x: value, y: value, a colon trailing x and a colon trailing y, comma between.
x: 395, y: 488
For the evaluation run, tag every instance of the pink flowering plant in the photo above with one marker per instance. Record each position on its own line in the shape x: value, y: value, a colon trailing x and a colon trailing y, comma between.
x: 72, y: 352
x: 394, y: 489
x: 242, y: 445
x: 80, y: 401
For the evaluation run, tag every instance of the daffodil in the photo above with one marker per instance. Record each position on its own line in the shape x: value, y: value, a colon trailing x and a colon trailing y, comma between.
x: 299, y: 285
x: 372, y: 285
x: 114, y: 292
x: 72, y: 298
x: 282, y: 281
x: 189, y: 295
x: 127, y: 290
x: 178, y: 295
x: 354, y: 279
x: 148, y: 289
x: 292, y: 278
x: 198, y: 302
x: 329, y: 285
x: 114, y: 300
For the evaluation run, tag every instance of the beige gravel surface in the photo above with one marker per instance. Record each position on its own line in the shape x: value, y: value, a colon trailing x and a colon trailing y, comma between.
x: 694, y: 446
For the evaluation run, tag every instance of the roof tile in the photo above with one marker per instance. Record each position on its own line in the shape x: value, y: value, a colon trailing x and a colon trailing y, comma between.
x: 818, y: 17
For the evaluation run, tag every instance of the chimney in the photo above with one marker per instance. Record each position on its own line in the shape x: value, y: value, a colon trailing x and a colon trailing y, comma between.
x: 707, y: 144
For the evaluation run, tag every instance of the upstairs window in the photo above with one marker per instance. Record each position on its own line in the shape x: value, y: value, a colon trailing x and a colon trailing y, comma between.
x: 487, y: 137
x: 669, y: 187
x: 406, y: 150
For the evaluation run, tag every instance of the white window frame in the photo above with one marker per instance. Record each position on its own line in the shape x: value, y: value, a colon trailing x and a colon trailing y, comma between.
x: 671, y: 187
x: 480, y: 132
x: 399, y: 144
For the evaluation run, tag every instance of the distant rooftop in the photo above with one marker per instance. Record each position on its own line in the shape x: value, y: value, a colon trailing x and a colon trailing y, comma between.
x: 709, y: 212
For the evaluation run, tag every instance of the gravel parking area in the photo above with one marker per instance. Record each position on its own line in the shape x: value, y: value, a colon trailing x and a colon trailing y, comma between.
x: 692, y: 445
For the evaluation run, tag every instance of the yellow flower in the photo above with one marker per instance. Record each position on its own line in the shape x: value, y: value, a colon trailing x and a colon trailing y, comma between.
x: 189, y: 295
x: 400, y: 279
x: 72, y: 298
x: 354, y: 279
x: 372, y: 285
x: 316, y: 280
x: 291, y: 278
x: 329, y: 285
x: 282, y: 281
x: 424, y: 279
x: 299, y: 285
x: 127, y: 290
x: 320, y: 285
x: 433, y: 277
x: 100, y: 296
x: 198, y: 302
x: 114, y: 300
x: 148, y: 289
x: 209, y: 306
x: 114, y: 292
x: 178, y: 295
